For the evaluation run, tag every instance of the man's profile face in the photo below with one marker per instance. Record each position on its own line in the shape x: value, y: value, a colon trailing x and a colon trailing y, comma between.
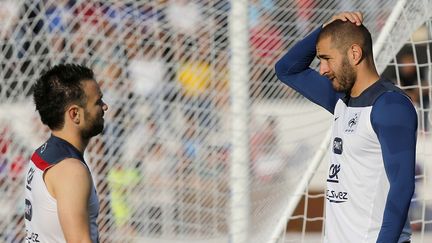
x: 94, y: 110
x: 334, y: 65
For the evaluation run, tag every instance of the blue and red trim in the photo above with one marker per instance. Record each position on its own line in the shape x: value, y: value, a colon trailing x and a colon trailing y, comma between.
x: 39, y: 162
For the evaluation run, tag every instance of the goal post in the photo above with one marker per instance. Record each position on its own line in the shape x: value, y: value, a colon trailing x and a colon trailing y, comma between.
x: 239, y: 90
x: 202, y: 143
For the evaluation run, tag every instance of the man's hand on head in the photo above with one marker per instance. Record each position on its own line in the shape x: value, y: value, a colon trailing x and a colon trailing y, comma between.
x: 353, y: 17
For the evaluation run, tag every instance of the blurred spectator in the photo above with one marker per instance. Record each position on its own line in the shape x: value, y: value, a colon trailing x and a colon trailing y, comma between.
x: 186, y: 190
x: 418, y: 211
x: 412, y: 81
x: 90, y: 13
x: 157, y: 170
x: 220, y: 86
x: 195, y: 74
x: 184, y: 17
x: 214, y: 196
x: 191, y: 139
x: 266, y: 156
x: 18, y: 163
x: 141, y: 16
x: 265, y: 41
x: 121, y: 180
x: 147, y: 70
x: 305, y: 15
x: 58, y: 15
x: 218, y: 12
x: 409, y: 80
x: 78, y: 44
x: 257, y: 8
x: 4, y: 145
x: 9, y: 15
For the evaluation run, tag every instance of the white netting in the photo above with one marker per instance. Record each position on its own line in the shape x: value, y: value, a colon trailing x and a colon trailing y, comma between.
x: 162, y: 166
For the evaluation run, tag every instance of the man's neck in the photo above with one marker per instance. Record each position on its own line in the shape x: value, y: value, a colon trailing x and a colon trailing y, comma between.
x: 363, y: 81
x: 74, y: 139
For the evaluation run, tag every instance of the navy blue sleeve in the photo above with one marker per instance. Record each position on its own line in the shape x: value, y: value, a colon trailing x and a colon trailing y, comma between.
x: 394, y: 120
x: 293, y: 70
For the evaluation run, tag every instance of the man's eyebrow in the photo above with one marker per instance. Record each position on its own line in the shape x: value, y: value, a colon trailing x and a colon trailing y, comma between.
x: 322, y: 56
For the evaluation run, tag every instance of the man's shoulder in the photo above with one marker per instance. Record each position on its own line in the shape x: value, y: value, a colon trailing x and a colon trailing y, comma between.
x: 71, y: 165
x: 374, y: 92
x: 388, y: 86
x: 55, y: 150
x: 389, y: 89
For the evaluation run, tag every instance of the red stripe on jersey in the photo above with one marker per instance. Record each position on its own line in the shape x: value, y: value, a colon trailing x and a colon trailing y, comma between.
x: 39, y: 162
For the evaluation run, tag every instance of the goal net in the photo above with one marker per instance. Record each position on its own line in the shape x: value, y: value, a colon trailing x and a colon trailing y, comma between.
x: 202, y: 142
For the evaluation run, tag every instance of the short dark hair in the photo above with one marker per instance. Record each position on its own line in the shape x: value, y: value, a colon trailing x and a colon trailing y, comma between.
x: 58, y: 88
x: 344, y: 33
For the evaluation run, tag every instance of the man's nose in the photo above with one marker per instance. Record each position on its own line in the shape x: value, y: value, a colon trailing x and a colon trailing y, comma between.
x: 104, y: 107
x: 323, y: 68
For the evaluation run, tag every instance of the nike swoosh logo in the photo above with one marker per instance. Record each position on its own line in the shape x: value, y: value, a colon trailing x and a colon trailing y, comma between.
x: 336, y: 118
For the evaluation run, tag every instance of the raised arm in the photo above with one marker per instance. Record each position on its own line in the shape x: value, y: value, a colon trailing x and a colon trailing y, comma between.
x: 293, y: 68
x: 394, y: 120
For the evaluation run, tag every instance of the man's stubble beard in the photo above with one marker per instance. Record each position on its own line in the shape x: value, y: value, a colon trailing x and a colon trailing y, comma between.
x: 346, y: 77
x: 95, y: 128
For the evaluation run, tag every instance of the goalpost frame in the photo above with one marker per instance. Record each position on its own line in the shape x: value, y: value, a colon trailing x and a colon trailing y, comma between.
x: 240, y: 108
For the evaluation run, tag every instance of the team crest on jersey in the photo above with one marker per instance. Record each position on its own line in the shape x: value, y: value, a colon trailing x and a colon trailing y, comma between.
x: 337, y: 145
x: 352, y: 123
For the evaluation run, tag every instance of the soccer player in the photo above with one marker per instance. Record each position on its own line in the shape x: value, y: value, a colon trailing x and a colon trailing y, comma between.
x: 371, y: 172
x: 61, y: 204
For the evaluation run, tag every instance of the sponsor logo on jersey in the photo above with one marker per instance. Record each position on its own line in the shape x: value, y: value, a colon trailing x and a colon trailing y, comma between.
x: 333, y: 173
x: 337, y: 145
x: 28, y: 213
x: 32, y: 237
x: 336, y: 196
x: 353, y: 120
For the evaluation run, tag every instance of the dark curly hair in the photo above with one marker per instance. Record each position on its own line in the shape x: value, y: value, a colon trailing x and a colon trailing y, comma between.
x: 58, y: 88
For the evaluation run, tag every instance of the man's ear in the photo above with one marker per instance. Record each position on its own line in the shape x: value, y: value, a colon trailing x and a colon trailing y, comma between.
x: 73, y: 113
x: 355, y: 54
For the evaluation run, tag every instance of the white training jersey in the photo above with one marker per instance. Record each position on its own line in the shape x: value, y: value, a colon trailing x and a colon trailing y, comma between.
x: 41, y: 216
x: 357, y: 184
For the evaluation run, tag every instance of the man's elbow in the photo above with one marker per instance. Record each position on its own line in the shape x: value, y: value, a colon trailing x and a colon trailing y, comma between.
x: 278, y: 68
x: 281, y: 70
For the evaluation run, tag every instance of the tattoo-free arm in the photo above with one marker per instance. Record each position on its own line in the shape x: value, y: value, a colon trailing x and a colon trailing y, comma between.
x: 394, y: 120
x: 69, y: 182
x: 293, y: 70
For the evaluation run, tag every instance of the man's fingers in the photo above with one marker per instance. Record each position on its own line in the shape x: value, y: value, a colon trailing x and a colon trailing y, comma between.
x: 360, y: 16
x: 354, y: 17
